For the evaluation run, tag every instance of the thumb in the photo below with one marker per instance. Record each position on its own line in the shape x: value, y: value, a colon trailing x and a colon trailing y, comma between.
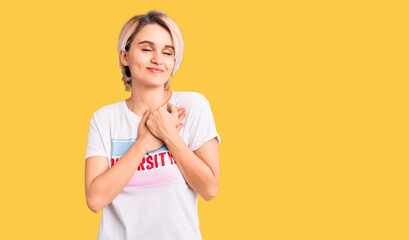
x: 173, y: 108
x: 145, y: 117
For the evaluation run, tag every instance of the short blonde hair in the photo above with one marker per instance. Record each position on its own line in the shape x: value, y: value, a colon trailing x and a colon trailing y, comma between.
x: 134, y: 25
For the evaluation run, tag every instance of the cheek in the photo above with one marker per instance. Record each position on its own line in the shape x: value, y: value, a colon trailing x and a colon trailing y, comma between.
x: 139, y: 60
x: 170, y: 63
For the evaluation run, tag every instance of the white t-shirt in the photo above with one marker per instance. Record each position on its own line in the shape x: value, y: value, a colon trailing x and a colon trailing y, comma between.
x: 157, y: 203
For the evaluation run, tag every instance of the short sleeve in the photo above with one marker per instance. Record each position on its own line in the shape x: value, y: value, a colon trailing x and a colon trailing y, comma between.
x: 202, y: 127
x: 95, y: 146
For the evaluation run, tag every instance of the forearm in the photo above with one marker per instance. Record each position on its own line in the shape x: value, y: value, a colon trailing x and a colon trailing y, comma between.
x: 197, y: 173
x: 106, y: 187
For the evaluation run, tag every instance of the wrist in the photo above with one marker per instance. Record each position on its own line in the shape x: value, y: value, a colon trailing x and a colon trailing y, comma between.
x: 139, y: 145
x: 170, y: 137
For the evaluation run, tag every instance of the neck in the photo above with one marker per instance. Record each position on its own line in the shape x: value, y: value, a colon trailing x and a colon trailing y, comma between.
x: 143, y: 99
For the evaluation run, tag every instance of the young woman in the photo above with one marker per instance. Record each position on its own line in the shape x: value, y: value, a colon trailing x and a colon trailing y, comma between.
x: 148, y: 157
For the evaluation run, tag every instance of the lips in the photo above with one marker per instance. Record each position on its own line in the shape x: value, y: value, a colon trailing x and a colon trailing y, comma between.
x: 155, y: 70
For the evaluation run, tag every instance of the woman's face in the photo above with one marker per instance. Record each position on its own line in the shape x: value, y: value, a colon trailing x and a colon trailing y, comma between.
x: 151, y: 57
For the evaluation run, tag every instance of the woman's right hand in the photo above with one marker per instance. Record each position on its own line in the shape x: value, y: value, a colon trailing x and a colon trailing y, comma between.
x: 151, y: 142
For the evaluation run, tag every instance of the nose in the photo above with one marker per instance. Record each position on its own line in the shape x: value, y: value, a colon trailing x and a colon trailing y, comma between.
x: 157, y: 58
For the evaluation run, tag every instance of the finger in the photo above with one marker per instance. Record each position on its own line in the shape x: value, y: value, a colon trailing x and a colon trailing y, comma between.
x: 173, y: 109
x: 148, y: 124
x: 179, y: 127
x: 181, y: 117
x: 181, y: 110
x: 145, y: 116
x: 163, y: 109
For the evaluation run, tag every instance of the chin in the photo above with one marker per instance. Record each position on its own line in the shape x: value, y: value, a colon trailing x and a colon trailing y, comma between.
x: 157, y: 83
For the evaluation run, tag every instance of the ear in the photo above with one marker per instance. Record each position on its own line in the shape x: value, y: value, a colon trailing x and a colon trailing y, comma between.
x: 124, y: 58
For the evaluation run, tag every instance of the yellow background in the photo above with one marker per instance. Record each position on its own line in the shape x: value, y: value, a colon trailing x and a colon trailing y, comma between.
x: 310, y: 99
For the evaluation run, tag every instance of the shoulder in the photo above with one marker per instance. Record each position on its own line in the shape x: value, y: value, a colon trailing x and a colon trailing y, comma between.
x: 107, y: 111
x: 190, y: 99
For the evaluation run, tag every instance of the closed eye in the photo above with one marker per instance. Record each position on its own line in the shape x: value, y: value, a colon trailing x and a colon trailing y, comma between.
x: 148, y: 50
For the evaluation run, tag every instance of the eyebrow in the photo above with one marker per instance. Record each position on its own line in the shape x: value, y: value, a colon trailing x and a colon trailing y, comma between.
x: 152, y: 43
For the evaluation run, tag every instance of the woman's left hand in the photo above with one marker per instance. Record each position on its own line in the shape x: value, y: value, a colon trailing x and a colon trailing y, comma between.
x: 162, y: 123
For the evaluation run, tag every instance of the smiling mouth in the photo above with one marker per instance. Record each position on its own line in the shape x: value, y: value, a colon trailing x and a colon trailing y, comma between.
x: 155, y: 70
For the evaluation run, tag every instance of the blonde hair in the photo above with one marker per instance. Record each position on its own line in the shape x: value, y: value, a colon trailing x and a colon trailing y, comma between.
x: 134, y: 25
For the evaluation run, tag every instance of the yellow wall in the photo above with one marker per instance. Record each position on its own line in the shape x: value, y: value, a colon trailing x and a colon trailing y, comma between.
x: 310, y: 99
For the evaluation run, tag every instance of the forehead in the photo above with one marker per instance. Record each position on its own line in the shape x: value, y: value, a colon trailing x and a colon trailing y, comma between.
x: 154, y: 34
